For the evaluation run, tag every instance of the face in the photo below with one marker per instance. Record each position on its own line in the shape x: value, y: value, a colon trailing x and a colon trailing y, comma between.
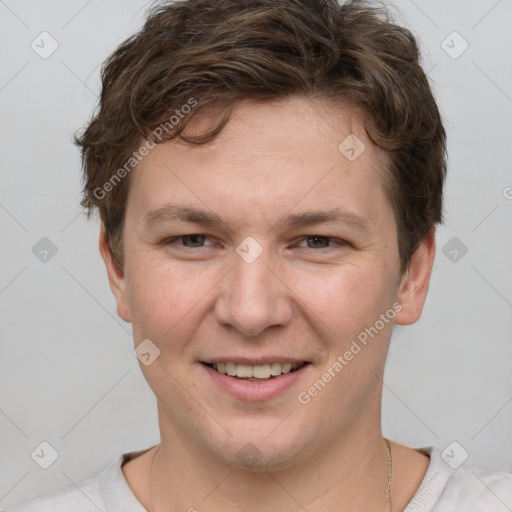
x: 270, y: 255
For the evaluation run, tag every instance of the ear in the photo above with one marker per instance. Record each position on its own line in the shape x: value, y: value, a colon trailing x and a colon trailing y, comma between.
x: 116, y: 277
x: 415, y: 282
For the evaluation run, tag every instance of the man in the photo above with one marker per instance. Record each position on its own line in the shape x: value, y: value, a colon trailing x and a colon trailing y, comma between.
x: 269, y: 178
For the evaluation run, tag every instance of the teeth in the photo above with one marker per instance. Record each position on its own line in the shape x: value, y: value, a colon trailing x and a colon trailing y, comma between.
x: 261, y: 372
x: 275, y: 369
x: 286, y: 367
x: 243, y: 370
x: 231, y: 369
x: 264, y: 371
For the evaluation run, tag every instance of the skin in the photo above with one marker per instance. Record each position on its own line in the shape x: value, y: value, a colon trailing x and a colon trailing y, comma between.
x: 301, y: 299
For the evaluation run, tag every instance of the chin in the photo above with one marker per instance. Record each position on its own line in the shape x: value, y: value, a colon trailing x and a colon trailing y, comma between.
x: 251, y: 458
x: 258, y: 451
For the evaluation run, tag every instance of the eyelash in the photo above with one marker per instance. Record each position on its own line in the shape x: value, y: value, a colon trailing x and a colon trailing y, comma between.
x: 174, y: 239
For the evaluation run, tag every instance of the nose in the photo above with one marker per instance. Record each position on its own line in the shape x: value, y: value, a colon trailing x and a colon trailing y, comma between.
x: 254, y: 296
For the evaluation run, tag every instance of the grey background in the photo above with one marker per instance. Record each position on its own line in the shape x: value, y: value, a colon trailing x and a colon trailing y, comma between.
x: 67, y: 372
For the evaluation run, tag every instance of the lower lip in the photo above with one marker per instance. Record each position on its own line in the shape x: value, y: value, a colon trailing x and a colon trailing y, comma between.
x: 253, y: 390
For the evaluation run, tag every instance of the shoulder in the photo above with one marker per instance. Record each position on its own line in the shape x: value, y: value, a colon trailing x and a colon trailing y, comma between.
x: 97, y: 493
x: 481, y: 488
x: 85, y: 497
x: 445, y: 488
x: 106, y: 491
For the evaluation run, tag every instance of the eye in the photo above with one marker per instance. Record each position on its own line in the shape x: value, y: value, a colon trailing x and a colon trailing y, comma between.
x: 199, y: 241
x: 189, y: 241
x: 321, y: 242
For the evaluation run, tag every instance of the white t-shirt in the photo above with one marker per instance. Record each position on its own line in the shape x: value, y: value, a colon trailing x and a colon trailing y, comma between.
x: 466, y: 489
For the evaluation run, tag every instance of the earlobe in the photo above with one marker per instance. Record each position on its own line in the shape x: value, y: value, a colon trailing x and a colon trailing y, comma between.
x: 116, y: 277
x: 415, y: 282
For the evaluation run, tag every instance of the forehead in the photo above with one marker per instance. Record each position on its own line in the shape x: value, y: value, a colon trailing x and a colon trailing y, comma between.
x: 291, y: 154
x: 296, y: 125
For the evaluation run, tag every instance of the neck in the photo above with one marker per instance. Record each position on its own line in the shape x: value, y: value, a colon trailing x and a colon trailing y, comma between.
x: 349, y: 472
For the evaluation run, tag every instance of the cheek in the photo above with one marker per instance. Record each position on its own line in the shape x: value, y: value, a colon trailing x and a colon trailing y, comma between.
x: 346, y: 297
x: 165, y: 299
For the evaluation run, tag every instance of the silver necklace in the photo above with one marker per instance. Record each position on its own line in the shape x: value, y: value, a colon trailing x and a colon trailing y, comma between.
x: 388, y: 490
x: 390, y: 476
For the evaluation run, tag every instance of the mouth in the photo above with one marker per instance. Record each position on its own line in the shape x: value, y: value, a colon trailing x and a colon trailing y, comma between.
x: 255, y: 373
x: 265, y: 380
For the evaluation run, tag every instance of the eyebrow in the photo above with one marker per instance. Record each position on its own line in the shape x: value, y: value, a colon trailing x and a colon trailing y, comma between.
x: 170, y: 212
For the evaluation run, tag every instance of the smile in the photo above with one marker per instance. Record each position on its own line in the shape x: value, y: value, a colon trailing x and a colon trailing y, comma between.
x: 255, y: 372
x: 250, y: 382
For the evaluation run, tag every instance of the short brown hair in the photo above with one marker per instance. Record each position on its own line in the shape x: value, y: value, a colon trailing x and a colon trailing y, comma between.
x: 222, y: 52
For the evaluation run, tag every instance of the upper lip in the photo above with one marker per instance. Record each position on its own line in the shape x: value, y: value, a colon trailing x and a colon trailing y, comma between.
x: 253, y: 361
